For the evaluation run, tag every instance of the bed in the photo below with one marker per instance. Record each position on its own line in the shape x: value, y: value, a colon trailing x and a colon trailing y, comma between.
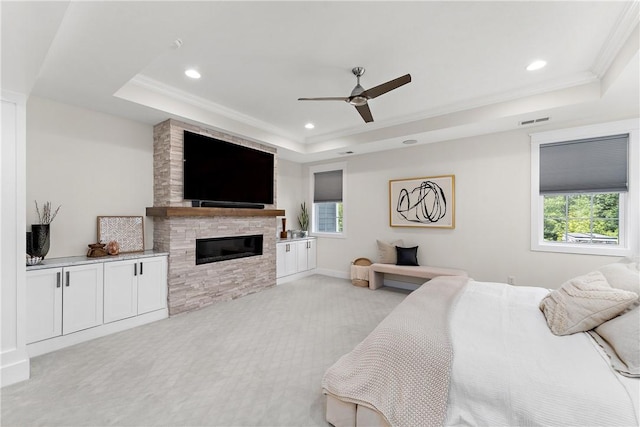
x: 461, y: 352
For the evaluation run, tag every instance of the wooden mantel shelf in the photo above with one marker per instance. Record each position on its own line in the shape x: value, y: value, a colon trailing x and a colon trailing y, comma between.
x: 168, y: 211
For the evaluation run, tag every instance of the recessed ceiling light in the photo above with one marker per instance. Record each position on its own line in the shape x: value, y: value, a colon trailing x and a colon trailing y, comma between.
x: 409, y: 141
x: 536, y: 65
x: 194, y: 74
x: 309, y: 126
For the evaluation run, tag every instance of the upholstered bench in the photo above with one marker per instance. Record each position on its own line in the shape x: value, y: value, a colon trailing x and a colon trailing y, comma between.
x: 377, y: 270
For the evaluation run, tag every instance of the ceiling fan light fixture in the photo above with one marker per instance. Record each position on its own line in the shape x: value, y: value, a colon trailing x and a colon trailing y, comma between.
x: 192, y: 73
x: 536, y: 65
x: 358, y: 101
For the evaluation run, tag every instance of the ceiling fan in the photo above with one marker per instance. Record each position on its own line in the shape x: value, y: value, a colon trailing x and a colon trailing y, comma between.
x: 359, y: 96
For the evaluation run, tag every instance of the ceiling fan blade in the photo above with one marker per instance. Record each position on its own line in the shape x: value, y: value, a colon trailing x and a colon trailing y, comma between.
x: 332, y: 98
x: 386, y: 87
x: 365, y: 112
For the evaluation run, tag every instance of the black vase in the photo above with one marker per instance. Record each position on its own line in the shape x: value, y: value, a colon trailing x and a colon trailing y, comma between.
x: 39, y: 240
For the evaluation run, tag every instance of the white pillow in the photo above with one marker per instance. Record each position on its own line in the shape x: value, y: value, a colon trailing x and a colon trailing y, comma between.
x: 387, y: 251
x: 620, y: 339
x: 583, y: 303
x: 624, y: 275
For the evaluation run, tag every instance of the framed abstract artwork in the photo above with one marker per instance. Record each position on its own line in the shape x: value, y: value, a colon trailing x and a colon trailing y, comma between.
x: 128, y: 231
x: 422, y: 202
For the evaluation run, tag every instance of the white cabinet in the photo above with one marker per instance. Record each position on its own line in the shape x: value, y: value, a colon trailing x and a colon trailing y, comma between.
x: 295, y: 256
x: 82, y: 297
x: 286, y: 259
x: 75, y: 299
x: 77, y: 289
x: 134, y: 287
x: 44, y: 304
x: 120, y: 290
x: 306, y: 254
x: 152, y: 285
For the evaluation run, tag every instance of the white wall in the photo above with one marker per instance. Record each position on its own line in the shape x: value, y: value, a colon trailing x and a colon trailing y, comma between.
x: 290, y: 192
x: 92, y: 164
x: 491, y: 239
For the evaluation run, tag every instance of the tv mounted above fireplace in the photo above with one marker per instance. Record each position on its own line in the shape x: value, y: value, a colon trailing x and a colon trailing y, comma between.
x: 220, y: 173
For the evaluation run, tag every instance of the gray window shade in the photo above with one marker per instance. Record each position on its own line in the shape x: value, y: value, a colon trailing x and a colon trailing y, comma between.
x: 586, y: 165
x: 327, y: 186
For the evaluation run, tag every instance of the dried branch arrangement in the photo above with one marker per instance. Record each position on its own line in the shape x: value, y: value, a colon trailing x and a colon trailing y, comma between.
x: 46, y: 217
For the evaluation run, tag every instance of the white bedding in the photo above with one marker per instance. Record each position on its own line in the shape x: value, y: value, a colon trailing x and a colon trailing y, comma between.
x: 510, y: 370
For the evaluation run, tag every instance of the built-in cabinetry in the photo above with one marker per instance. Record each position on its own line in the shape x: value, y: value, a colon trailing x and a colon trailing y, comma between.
x: 134, y: 287
x: 295, y: 256
x: 70, y: 300
x: 76, y: 288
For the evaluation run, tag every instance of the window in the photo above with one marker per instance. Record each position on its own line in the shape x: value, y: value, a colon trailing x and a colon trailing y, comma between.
x: 584, y: 192
x: 328, y: 199
x: 587, y: 218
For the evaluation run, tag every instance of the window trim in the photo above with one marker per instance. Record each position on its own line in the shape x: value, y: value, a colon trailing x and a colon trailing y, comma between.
x: 629, y: 216
x: 326, y: 168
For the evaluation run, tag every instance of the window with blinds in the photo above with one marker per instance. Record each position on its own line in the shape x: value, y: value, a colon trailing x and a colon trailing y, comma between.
x: 328, y: 199
x: 580, y: 192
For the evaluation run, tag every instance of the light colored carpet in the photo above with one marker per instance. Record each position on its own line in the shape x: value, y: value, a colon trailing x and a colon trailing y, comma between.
x: 254, y: 361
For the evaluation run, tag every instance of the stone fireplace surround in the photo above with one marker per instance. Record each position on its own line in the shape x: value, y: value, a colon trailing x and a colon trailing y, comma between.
x: 177, y: 225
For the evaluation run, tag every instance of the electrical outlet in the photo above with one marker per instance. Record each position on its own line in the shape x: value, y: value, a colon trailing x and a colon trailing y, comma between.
x: 511, y: 280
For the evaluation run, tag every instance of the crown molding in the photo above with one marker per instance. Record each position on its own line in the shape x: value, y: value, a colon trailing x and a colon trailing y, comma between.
x: 619, y: 34
x: 171, y: 92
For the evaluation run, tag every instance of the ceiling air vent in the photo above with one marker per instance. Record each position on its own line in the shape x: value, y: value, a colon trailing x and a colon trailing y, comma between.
x: 534, y: 121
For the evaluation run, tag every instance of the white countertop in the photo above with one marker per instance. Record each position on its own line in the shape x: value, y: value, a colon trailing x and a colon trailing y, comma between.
x: 78, y: 260
x: 291, y: 239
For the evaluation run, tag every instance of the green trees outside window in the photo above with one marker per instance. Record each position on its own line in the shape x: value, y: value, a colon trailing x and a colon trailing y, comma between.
x: 591, y: 218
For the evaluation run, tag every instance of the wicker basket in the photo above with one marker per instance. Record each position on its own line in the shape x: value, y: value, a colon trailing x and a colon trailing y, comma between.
x: 360, y: 263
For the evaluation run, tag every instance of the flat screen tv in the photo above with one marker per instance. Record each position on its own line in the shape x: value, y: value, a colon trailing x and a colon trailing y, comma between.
x: 220, y: 173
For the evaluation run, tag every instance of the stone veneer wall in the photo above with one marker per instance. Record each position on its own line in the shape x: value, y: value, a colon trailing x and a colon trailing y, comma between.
x: 194, y: 286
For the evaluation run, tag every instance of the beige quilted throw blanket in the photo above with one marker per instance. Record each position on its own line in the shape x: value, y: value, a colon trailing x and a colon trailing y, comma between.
x: 402, y: 368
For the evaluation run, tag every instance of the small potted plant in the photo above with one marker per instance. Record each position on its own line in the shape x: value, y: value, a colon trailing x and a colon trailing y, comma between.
x: 303, y: 219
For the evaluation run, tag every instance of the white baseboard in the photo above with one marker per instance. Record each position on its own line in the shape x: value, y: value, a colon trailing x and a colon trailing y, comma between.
x: 56, y: 343
x: 296, y: 276
x: 14, y: 371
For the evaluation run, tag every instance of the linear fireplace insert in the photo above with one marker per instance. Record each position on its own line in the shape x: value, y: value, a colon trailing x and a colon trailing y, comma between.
x: 226, y: 248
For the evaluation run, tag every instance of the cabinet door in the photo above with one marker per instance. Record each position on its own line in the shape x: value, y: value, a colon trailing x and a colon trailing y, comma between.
x: 44, y: 304
x: 290, y: 259
x: 82, y: 297
x: 286, y: 259
x: 120, y: 290
x: 152, y: 284
x: 301, y: 255
x: 311, y: 254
